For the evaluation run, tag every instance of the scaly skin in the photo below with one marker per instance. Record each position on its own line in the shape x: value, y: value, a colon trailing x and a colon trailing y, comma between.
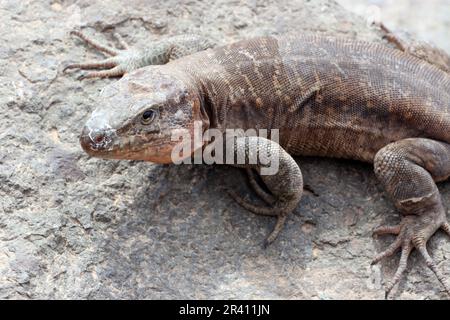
x: 328, y: 97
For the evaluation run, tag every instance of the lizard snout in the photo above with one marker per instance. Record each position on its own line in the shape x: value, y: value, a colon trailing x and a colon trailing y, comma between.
x: 94, y: 140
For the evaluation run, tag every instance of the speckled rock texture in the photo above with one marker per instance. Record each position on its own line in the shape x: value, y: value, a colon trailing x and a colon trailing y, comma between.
x: 78, y: 227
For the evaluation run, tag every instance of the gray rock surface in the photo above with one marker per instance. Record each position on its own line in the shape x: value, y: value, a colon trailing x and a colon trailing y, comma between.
x: 78, y: 227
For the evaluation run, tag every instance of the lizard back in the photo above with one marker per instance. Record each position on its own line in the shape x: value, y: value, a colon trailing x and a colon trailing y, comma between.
x: 328, y: 96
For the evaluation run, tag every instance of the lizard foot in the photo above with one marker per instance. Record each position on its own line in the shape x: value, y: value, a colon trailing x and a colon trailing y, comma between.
x: 117, y: 64
x: 278, y: 211
x: 413, y: 232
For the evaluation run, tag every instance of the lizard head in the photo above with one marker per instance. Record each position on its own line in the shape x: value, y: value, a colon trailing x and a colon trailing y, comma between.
x: 139, y: 114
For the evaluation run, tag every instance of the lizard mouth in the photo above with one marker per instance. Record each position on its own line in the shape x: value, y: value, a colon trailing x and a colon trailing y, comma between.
x: 107, y: 144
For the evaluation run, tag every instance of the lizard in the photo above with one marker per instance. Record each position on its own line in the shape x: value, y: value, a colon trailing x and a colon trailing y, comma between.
x: 327, y: 96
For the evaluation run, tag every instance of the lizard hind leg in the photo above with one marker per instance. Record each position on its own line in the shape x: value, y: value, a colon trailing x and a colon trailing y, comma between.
x: 408, y: 169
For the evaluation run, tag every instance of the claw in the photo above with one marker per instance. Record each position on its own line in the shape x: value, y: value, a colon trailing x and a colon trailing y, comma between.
x: 106, y: 49
x: 121, y: 41
x: 266, y: 211
x: 276, y: 230
x: 389, y: 36
x: 432, y: 265
x: 261, y: 210
x: 311, y: 190
x: 117, y: 69
x: 107, y: 63
x: 408, y: 238
x: 114, y: 72
x: 268, y: 198
x: 406, y: 250
x: 389, y: 251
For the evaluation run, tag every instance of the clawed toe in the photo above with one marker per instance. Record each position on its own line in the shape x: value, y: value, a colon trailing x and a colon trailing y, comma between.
x: 406, y: 250
x: 107, y: 63
x: 122, y: 42
x: 432, y: 265
x: 114, y: 72
x: 266, y: 197
x: 113, y: 66
x: 408, y: 238
x: 266, y: 211
x: 276, y: 230
x: 389, y: 251
x: 100, y: 47
x: 260, y: 210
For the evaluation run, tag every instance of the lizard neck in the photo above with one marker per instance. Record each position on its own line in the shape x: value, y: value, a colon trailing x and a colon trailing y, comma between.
x: 237, y: 86
x: 225, y: 106
x: 211, y: 104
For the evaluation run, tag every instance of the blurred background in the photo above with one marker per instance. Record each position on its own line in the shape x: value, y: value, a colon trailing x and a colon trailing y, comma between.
x: 427, y: 19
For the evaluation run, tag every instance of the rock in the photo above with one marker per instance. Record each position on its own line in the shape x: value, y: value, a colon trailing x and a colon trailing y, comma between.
x: 77, y: 227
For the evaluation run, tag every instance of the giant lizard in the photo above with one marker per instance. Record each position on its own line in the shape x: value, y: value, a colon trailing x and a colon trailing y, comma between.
x: 330, y: 97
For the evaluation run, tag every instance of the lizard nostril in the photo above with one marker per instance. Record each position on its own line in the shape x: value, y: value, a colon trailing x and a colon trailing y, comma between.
x: 94, y: 140
x: 98, y: 138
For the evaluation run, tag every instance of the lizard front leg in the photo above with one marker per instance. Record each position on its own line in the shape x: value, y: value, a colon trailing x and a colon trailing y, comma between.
x: 285, y: 182
x: 408, y: 169
x: 121, y: 61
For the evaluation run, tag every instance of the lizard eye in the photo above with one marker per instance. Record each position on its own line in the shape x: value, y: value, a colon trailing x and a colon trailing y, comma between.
x: 148, y: 116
